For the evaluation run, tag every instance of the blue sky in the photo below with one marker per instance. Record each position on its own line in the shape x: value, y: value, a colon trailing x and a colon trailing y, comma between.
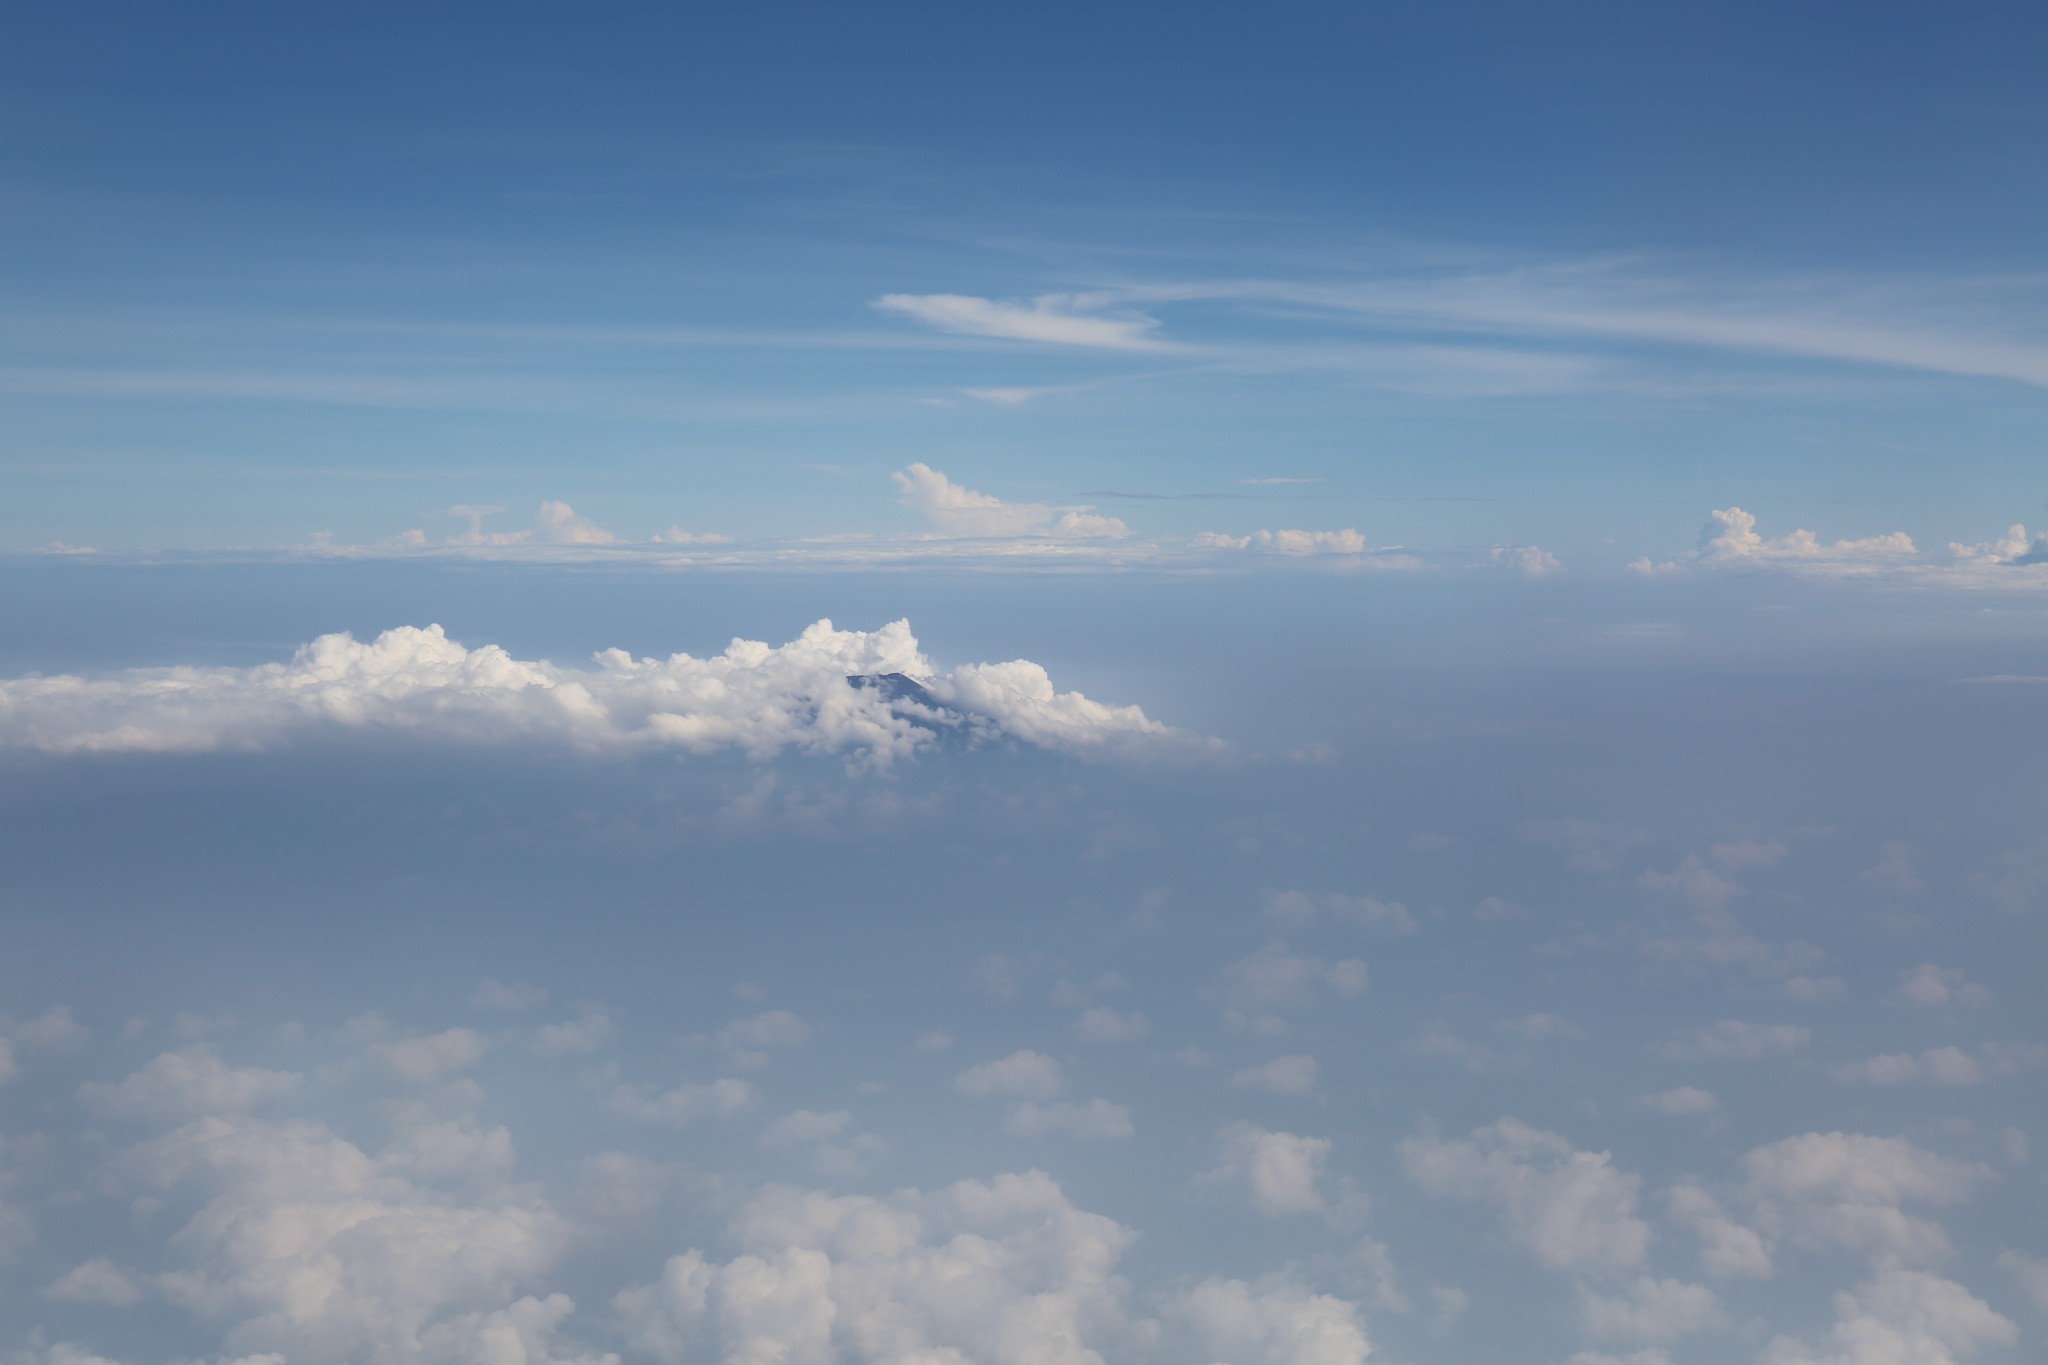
x: 1460, y: 594
x: 1487, y: 277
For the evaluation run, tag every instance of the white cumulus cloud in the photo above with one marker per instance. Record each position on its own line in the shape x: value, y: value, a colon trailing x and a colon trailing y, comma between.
x: 753, y: 698
x: 962, y: 511
x: 1571, y: 1210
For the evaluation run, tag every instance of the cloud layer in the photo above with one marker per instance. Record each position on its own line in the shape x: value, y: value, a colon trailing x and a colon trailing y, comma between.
x: 753, y: 698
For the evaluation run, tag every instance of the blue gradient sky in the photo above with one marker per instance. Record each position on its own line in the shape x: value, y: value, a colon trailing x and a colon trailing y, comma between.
x: 1567, y: 278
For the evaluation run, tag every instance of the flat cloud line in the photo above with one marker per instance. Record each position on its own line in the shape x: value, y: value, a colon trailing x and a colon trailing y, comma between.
x: 816, y: 694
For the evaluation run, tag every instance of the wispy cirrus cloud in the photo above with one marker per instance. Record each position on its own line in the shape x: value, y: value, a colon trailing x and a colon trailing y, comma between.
x: 1541, y: 326
x: 1050, y: 319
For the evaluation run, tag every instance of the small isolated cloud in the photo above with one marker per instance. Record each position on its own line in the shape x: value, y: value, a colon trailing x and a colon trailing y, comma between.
x: 1930, y: 987
x: 747, y: 1042
x: 676, y: 535
x: 961, y: 511
x: 1300, y: 544
x: 1101, y: 1024
x: 587, y: 1032
x: 1539, y: 1028
x: 1570, y: 1210
x: 1023, y: 1074
x: 97, y: 1281
x: 558, y: 524
x: 1531, y: 561
x: 1649, y: 1311
x: 1281, y: 1172
x: 685, y: 1104
x: 1255, y: 989
x: 555, y: 523
x: 1290, y: 1075
x: 2030, y: 1273
x: 1050, y: 319
x: 1730, y: 539
x: 1738, y: 1040
x: 185, y: 1084
x: 1097, y: 1120
x: 428, y: 1059
x: 1685, y: 1101
x: 832, y: 1148
x: 753, y: 698
x: 1947, y: 1066
x: 2015, y: 548
x: 1291, y: 909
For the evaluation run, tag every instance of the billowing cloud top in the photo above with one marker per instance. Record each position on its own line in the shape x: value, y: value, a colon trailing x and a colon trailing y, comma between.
x: 753, y: 698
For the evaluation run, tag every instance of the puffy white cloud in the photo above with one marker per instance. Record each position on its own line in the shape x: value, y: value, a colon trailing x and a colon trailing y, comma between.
x: 1017, y: 699
x: 2015, y: 547
x: 1730, y: 538
x: 1948, y: 1066
x: 1734, y: 1038
x: 97, y: 1281
x: 54, y: 1028
x: 962, y: 511
x: 585, y: 1033
x: 1848, y: 1191
x: 1538, y: 1028
x: 1685, y: 1101
x: 1092, y: 1119
x: 1271, y: 1322
x: 1571, y: 1210
x: 187, y: 1083
x: 1533, y: 561
x: 1901, y: 1317
x: 1298, y: 543
x: 833, y: 1150
x: 685, y: 1104
x: 431, y: 1058
x: 1648, y: 1310
x: 1281, y: 1172
x: 1721, y: 942
x: 309, y: 1246
x: 1006, y: 1272
x: 2030, y: 1273
x: 1930, y: 987
x: 559, y: 524
x: 1051, y: 319
x: 1290, y: 1075
x: 1291, y: 909
x: 1024, y: 1074
x: 1100, y: 1024
x: 747, y: 1041
x: 1728, y: 1249
x: 1278, y: 978
x: 526, y: 1332
x: 1003, y: 1272
x: 753, y: 698
x: 71, y: 1353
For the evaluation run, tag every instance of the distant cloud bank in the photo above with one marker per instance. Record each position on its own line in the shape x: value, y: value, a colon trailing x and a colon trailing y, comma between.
x: 754, y: 698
